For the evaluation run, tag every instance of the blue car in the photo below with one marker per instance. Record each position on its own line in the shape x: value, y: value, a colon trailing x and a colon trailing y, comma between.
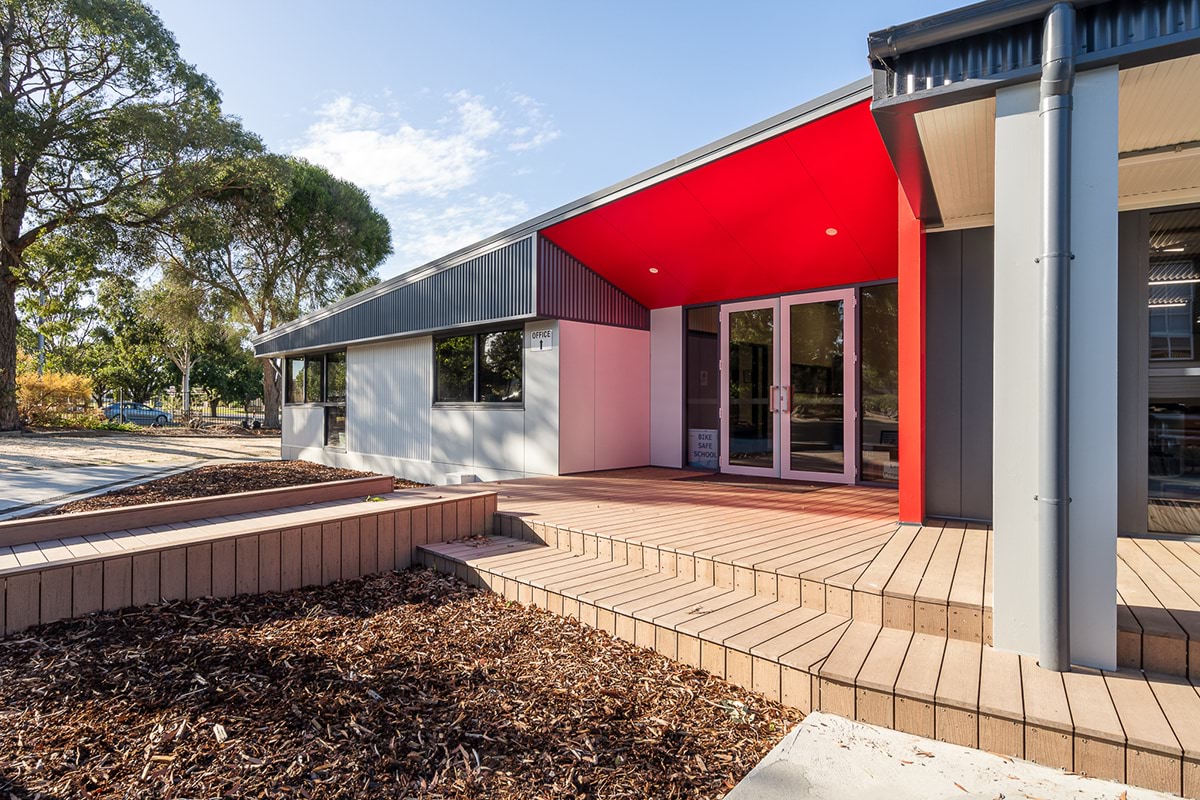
x: 138, y: 413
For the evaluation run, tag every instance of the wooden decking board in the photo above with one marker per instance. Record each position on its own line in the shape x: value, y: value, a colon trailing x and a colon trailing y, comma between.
x: 742, y: 613
x: 789, y: 618
x: 846, y: 659
x: 882, y: 665
x: 967, y: 586
x: 714, y: 604
x: 645, y: 591
x: 1179, y: 701
x: 939, y: 574
x: 958, y: 678
x: 809, y: 656
x: 657, y: 613
x: 1178, y: 603
x: 908, y: 574
x: 799, y: 636
x: 1000, y: 692
x: 876, y: 576
x: 1152, y: 758
x: 1045, y: 697
x: 918, y: 676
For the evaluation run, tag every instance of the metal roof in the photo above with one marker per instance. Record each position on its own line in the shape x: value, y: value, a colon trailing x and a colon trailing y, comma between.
x: 969, y: 53
x: 272, y: 341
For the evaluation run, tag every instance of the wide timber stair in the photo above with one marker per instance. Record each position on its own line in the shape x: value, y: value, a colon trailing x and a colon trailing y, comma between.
x: 938, y: 679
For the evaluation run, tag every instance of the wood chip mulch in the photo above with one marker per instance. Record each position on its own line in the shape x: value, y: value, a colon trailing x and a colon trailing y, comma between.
x: 219, y: 479
x: 404, y: 685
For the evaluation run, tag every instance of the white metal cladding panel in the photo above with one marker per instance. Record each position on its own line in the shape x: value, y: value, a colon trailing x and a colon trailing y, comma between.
x: 542, y: 401
x: 494, y: 286
x: 568, y: 289
x: 666, y: 387
x: 303, y: 426
x: 389, y: 391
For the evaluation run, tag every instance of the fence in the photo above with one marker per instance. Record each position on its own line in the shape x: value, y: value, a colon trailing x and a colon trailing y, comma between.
x: 167, y: 410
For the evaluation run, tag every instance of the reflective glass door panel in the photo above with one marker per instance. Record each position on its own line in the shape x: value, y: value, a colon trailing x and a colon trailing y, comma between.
x: 819, y: 397
x: 749, y: 388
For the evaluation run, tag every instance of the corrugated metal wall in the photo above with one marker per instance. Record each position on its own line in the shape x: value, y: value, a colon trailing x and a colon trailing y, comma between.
x: 494, y: 286
x: 568, y: 289
x: 389, y: 390
x: 958, y: 360
x: 1099, y: 28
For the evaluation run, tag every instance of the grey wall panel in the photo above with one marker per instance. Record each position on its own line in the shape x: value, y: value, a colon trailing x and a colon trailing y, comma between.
x: 977, y: 301
x: 568, y: 289
x: 494, y: 286
x: 1133, y: 354
x: 943, y: 369
x: 959, y: 374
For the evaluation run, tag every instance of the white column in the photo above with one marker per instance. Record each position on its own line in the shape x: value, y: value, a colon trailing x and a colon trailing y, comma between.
x: 666, y: 387
x: 1093, y: 406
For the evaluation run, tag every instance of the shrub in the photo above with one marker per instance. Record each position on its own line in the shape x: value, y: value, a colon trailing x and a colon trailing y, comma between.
x: 48, y: 399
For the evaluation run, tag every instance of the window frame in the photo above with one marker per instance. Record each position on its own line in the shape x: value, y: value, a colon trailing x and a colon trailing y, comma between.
x: 302, y: 379
x: 476, y: 340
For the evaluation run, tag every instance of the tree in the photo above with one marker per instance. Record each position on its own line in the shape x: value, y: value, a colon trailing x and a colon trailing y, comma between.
x: 134, y: 359
x: 228, y: 373
x: 293, y: 239
x: 179, y: 311
x: 104, y: 126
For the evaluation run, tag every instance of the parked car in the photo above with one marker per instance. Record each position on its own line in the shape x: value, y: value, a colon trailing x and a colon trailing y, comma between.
x: 138, y: 413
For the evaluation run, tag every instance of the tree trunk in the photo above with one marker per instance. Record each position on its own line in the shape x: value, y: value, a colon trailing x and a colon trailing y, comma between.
x: 270, y: 395
x: 9, y: 420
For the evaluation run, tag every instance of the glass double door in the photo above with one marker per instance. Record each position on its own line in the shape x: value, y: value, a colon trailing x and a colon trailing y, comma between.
x: 789, y: 393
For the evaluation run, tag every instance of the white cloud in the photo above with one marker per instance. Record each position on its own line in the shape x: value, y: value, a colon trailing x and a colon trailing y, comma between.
x: 427, y: 178
x: 421, y: 233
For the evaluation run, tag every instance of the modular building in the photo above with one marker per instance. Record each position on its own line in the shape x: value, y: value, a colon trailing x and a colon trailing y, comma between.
x: 848, y: 292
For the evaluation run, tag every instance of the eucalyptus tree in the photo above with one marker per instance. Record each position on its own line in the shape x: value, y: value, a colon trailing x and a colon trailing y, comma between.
x: 292, y: 239
x: 103, y: 126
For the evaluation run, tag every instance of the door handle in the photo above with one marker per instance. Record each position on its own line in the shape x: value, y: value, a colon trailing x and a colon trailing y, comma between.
x: 773, y: 399
x: 786, y: 400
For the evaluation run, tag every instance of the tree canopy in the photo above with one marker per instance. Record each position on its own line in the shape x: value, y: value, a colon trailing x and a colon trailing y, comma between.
x: 105, y: 129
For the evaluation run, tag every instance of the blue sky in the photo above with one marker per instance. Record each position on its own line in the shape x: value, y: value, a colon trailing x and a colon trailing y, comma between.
x: 462, y: 118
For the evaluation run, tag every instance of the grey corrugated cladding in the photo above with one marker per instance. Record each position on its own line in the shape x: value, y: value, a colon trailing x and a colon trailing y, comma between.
x: 1120, y: 31
x: 567, y: 289
x: 497, y: 285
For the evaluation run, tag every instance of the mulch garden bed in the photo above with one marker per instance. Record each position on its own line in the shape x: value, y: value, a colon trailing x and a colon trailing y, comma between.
x: 403, y: 685
x: 220, y: 479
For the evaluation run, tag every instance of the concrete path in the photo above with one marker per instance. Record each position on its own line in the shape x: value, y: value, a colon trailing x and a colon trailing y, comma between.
x: 41, y: 471
x: 832, y: 758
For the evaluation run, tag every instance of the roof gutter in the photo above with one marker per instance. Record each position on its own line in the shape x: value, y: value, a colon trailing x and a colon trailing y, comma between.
x: 957, y: 24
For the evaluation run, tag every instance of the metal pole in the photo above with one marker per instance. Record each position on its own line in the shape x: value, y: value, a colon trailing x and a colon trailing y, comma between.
x: 1058, y: 79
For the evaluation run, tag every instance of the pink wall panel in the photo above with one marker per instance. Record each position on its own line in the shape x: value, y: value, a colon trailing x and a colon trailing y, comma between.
x: 604, y: 397
x: 622, y: 398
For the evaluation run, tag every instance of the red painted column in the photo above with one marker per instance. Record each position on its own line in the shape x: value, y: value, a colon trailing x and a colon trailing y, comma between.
x: 911, y: 346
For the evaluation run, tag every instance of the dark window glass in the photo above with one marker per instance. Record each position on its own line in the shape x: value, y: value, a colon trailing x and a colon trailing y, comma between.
x: 335, y: 378
x: 703, y: 388
x: 454, y: 361
x: 880, y: 421
x: 335, y: 426
x: 500, y: 367
x: 1174, y: 377
x: 294, y: 381
x: 313, y: 379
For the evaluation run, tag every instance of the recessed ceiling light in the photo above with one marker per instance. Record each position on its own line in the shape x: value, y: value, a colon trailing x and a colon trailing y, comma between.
x: 654, y: 270
x: 831, y: 231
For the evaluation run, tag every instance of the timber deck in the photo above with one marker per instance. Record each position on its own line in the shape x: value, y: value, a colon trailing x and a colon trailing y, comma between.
x: 259, y: 551
x: 818, y: 598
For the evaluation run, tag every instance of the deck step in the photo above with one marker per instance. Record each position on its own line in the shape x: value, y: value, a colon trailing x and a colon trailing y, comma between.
x: 933, y: 579
x: 1125, y: 726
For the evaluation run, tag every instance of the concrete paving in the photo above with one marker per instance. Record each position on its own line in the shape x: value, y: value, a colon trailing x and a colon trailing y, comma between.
x: 832, y: 758
x: 37, y: 472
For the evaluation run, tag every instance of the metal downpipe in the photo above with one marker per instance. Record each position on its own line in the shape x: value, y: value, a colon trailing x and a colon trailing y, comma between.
x: 1057, y: 84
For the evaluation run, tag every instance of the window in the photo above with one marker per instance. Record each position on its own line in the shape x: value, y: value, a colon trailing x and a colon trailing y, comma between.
x: 335, y: 378
x: 482, y: 368
x: 500, y: 367
x: 294, y: 386
x: 455, y: 365
x: 335, y: 426
x: 314, y: 374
